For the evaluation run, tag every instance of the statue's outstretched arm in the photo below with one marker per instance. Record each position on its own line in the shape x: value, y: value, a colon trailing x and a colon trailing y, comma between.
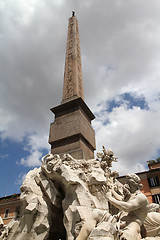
x: 132, y: 205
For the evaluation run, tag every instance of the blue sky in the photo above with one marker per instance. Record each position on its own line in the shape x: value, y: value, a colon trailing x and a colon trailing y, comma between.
x: 120, y: 46
x: 129, y: 99
x: 11, y: 155
x: 9, y: 169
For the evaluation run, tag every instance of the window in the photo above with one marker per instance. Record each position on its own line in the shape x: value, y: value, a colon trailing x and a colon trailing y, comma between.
x: 6, y: 213
x: 17, y: 212
x: 156, y: 198
x: 153, y: 181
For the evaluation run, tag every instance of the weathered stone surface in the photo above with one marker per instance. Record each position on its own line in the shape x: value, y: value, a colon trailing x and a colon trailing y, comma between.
x: 73, y: 83
x: 1, y: 225
x: 152, y: 221
x: 71, y: 132
x: 151, y: 238
x: 71, y: 199
x: 58, y: 198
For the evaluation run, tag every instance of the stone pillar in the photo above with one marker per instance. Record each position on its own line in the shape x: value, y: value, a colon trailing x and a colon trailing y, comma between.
x: 71, y: 132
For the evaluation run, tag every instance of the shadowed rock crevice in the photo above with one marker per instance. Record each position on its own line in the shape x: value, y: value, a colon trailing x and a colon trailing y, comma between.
x: 56, y: 227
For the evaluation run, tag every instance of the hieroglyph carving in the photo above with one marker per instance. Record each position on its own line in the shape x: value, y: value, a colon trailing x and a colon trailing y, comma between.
x: 73, y: 83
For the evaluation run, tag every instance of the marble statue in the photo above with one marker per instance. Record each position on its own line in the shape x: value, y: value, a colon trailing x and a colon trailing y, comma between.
x: 152, y: 221
x: 68, y: 199
x: 107, y: 156
x: 1, y: 225
x: 133, y: 211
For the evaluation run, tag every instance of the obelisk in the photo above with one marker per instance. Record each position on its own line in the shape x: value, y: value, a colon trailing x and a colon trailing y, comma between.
x: 71, y: 132
x: 73, y: 83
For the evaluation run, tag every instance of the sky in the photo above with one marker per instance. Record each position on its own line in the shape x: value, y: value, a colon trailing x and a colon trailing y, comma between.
x: 120, y: 49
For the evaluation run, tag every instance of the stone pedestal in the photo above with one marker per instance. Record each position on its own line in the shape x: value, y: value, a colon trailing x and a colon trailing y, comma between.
x: 71, y: 132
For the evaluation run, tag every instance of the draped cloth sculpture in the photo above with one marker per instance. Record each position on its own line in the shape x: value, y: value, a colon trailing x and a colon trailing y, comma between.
x: 152, y: 221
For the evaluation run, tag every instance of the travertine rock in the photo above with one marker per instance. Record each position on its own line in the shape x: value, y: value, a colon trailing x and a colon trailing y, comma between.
x: 58, y: 198
x: 151, y: 238
x: 71, y: 199
x: 1, y: 225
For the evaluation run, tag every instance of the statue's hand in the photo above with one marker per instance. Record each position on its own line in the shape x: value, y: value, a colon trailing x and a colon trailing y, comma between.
x: 108, y: 195
x: 104, y: 189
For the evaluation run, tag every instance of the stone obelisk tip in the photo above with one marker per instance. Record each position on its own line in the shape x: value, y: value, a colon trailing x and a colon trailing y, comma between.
x: 73, y: 13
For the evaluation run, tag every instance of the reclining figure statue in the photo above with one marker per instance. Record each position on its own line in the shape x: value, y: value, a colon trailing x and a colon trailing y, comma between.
x: 126, y: 225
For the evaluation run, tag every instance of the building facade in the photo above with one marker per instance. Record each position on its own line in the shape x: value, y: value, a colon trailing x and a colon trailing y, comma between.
x: 9, y: 207
x: 150, y: 180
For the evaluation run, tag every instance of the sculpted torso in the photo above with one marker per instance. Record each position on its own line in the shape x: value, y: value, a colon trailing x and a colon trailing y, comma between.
x: 138, y: 202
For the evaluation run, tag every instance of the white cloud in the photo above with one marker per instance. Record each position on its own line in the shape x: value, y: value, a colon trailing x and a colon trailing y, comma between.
x: 131, y: 133
x: 35, y: 145
x: 36, y: 142
x: 32, y: 160
x: 120, y: 43
x: 20, y: 179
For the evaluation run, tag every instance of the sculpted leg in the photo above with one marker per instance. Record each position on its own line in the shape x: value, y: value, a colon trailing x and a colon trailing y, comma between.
x: 131, y: 232
x: 90, y: 224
